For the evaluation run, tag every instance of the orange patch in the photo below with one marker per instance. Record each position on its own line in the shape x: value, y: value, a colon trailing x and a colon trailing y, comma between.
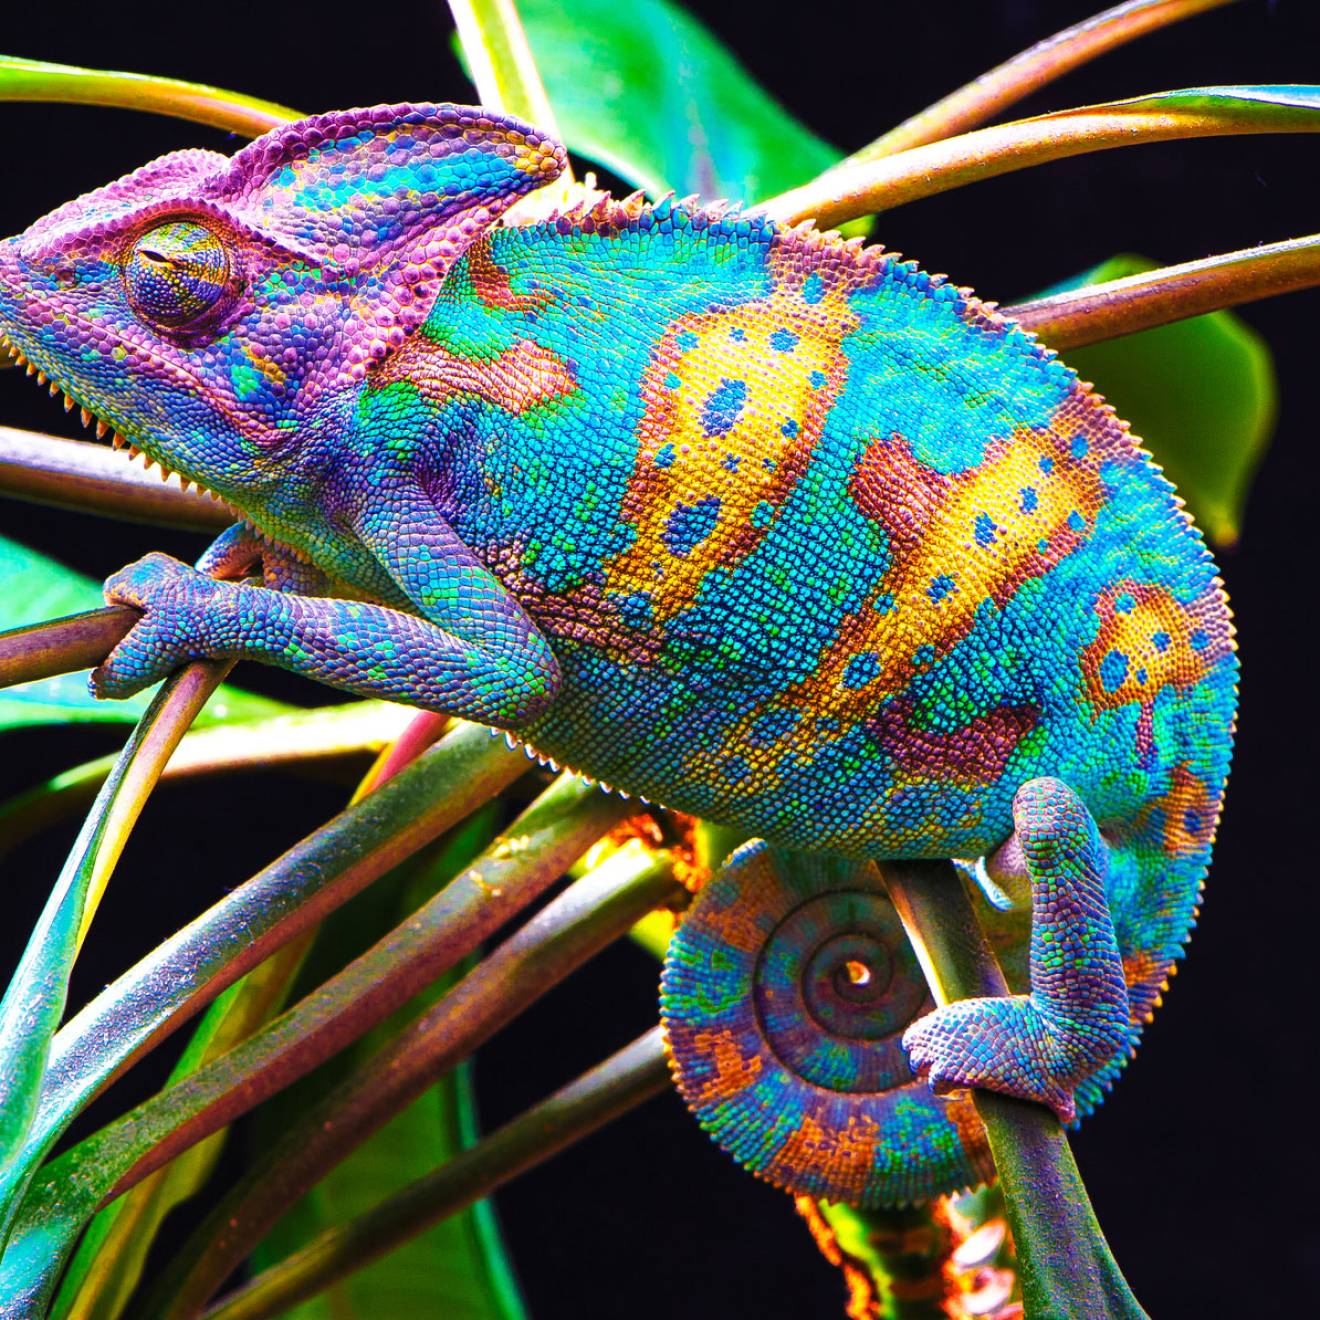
x: 733, y: 1071
x: 735, y: 403
x: 519, y: 379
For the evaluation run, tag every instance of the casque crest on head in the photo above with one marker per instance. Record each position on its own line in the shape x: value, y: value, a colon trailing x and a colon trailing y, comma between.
x: 280, y: 272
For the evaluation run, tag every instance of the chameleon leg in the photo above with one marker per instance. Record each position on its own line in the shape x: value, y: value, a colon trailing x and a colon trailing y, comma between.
x: 460, y: 644
x: 239, y: 551
x: 1074, y: 1022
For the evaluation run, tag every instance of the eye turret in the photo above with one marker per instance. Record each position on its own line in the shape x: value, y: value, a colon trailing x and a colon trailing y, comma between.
x: 176, y: 273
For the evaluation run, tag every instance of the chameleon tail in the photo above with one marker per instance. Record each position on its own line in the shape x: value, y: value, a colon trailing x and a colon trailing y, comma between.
x: 784, y: 998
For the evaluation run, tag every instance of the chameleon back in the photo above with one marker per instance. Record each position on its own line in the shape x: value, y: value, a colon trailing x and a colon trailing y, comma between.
x: 829, y: 551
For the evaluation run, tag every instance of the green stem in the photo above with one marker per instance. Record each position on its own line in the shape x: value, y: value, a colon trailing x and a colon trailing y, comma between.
x: 880, y: 185
x: 1066, y: 1267
x: 34, y: 1002
x: 92, y: 478
x: 36, y: 80
x: 622, y: 1082
x: 500, y: 61
x: 1028, y: 72
x: 1172, y: 293
x: 589, y: 915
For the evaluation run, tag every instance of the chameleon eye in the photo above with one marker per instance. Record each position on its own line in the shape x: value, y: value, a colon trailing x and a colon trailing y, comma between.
x: 176, y: 272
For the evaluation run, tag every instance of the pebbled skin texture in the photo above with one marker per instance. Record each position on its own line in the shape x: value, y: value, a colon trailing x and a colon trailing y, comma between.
x: 767, y: 527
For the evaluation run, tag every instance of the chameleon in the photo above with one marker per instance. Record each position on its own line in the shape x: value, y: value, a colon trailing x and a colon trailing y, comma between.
x: 763, y: 525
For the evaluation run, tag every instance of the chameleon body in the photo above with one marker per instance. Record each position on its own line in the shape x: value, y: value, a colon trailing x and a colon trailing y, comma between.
x: 763, y: 526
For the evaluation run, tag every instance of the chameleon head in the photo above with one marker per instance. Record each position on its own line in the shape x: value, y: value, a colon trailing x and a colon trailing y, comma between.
x: 218, y: 311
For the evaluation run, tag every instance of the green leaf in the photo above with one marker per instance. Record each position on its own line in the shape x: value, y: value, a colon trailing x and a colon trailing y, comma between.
x: 1201, y: 394
x: 645, y: 90
x: 38, y: 587
x: 457, y: 1270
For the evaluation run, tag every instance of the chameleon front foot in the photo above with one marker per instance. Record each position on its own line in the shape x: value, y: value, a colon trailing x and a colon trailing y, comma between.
x: 1075, y: 1021
x: 175, y: 600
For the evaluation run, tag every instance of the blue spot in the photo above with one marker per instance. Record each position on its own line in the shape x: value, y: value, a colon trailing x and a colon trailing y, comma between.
x: 924, y: 655
x: 690, y: 524
x: 985, y: 530
x: 1192, y: 822
x: 789, y: 428
x: 769, y: 464
x: 1079, y: 446
x: 1161, y: 641
x: 1029, y: 499
x: 940, y: 586
x: 636, y: 609
x: 1047, y: 465
x: 673, y: 382
x: 1141, y: 678
x: 1076, y: 521
x: 687, y: 341
x: 813, y: 289
x: 1124, y: 603
x: 664, y: 456
x: 818, y: 380
x: 1200, y: 639
x: 724, y: 407
x: 861, y: 669
x: 738, y: 333
x: 784, y: 341
x: 772, y: 726
x: 731, y: 462
x: 884, y: 603
x: 763, y: 515
x: 1113, y: 670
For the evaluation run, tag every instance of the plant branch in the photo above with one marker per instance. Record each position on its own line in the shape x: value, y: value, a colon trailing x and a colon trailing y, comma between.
x: 1173, y: 293
x: 881, y: 185
x: 325, y: 735
x: 275, y: 907
x: 1065, y: 1263
x: 35, y: 999
x: 61, y: 646
x: 500, y: 62
x: 92, y: 478
x: 589, y: 915
x: 1029, y: 71
x: 622, y: 1082
x: 36, y: 80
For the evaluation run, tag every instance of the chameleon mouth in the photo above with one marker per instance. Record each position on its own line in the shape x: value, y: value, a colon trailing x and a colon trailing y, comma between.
x: 11, y: 355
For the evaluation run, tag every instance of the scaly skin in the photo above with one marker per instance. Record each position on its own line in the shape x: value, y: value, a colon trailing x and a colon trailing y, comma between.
x: 757, y: 524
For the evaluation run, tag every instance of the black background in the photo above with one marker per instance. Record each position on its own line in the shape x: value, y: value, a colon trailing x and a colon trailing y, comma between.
x: 1200, y: 1164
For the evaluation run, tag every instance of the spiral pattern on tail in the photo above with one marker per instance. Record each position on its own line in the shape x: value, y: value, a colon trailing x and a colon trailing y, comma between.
x: 784, y: 998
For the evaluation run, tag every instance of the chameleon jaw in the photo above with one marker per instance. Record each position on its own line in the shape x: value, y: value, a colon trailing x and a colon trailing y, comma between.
x: 17, y: 358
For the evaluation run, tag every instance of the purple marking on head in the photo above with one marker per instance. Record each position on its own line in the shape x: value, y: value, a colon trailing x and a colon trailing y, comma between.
x: 332, y: 236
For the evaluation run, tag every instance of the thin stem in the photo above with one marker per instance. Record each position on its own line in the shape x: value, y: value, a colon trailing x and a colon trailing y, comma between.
x: 1140, y: 302
x: 300, y: 739
x: 500, y: 61
x: 622, y: 1082
x: 61, y: 646
x: 36, y: 80
x: 1028, y: 72
x: 92, y: 478
x: 589, y: 915
x: 34, y: 1002
x: 1065, y: 1263
x: 275, y: 907
x: 881, y: 185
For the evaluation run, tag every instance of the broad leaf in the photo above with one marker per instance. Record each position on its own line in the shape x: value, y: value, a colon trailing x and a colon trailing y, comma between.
x: 1201, y: 394
x: 37, y: 588
x: 648, y: 92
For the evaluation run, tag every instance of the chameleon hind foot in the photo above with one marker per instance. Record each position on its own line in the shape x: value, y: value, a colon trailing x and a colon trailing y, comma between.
x: 1075, y: 1021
